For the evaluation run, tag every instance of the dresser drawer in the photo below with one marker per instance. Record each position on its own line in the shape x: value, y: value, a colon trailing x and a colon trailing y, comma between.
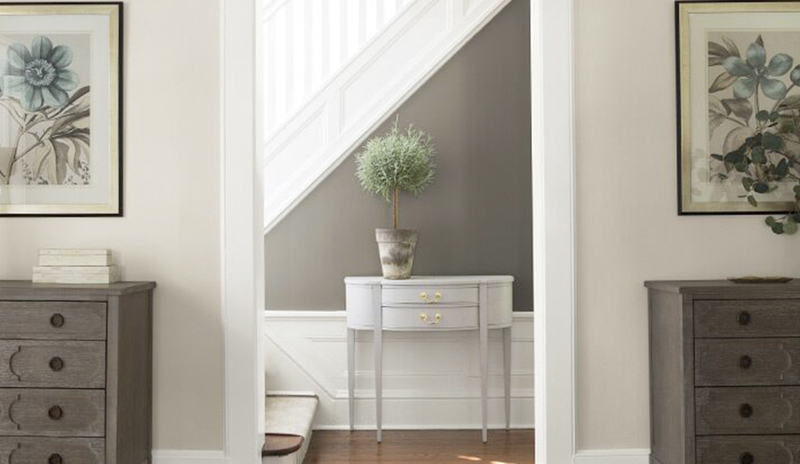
x: 65, y: 413
x: 746, y: 318
x: 42, y: 364
x: 747, y: 361
x: 405, y: 294
x: 26, y: 450
x: 52, y: 320
x: 775, y: 449
x: 747, y: 410
x: 430, y: 317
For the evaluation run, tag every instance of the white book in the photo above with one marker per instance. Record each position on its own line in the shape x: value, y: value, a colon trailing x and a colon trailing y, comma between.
x: 75, y: 274
x: 74, y: 251
x: 74, y: 260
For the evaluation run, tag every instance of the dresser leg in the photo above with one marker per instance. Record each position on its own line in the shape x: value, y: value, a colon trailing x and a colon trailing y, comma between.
x: 484, y: 349
x: 351, y: 373
x: 507, y: 373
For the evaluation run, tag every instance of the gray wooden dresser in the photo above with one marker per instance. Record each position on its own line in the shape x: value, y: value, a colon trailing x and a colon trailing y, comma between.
x: 724, y: 372
x: 75, y: 373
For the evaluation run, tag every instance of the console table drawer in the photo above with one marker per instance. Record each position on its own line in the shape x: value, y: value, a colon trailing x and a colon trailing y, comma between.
x: 64, y: 413
x: 52, y: 320
x: 42, y: 364
x: 747, y: 318
x: 429, y: 295
x: 747, y: 410
x: 25, y: 450
x: 430, y: 317
x: 746, y: 362
x: 774, y: 449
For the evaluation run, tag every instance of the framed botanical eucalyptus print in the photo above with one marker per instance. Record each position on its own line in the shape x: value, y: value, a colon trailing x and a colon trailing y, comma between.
x: 60, y: 109
x: 739, y: 106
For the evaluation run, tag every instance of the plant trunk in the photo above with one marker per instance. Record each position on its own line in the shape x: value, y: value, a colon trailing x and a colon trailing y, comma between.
x: 396, y: 208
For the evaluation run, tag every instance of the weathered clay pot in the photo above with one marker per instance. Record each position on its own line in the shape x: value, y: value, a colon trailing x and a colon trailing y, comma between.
x: 396, y: 247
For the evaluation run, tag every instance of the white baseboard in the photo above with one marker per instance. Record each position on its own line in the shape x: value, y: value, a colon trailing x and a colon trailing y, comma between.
x: 188, y: 457
x: 613, y: 456
x: 431, y: 380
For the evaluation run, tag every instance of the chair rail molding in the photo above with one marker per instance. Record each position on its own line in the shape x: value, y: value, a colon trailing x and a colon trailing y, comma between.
x: 337, y: 119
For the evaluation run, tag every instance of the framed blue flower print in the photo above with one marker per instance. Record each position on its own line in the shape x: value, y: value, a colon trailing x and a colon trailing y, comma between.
x: 60, y: 109
x: 738, y: 80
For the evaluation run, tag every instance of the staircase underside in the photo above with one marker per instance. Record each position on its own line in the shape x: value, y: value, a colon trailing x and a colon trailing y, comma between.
x: 300, y: 154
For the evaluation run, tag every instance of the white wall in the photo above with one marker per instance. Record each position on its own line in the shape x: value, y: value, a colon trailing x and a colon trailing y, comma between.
x: 628, y: 228
x: 170, y: 231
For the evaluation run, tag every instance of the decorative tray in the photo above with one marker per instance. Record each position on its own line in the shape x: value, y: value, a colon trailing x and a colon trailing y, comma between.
x: 760, y: 280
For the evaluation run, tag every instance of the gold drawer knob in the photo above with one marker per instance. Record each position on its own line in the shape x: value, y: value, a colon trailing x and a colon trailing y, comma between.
x: 436, y: 297
x: 436, y: 318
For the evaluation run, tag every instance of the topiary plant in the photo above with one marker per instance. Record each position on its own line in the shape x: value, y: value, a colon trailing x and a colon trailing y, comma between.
x: 398, y: 161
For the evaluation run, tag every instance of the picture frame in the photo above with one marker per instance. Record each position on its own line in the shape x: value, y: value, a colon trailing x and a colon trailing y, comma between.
x: 61, y: 109
x: 738, y: 145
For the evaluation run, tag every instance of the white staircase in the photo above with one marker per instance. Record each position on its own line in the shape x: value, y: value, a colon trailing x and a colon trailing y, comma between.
x: 410, y: 40
x: 289, y: 418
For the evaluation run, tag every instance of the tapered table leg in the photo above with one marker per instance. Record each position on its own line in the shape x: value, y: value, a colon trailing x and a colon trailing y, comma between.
x: 351, y: 373
x: 378, y: 319
x: 483, y: 325
x: 378, y: 380
x: 507, y: 373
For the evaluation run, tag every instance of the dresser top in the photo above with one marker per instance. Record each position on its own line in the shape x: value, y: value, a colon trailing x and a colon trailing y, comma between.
x: 119, y: 288
x: 722, y: 286
x: 431, y: 280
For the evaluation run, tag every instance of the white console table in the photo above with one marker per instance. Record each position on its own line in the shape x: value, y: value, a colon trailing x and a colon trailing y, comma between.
x: 476, y: 303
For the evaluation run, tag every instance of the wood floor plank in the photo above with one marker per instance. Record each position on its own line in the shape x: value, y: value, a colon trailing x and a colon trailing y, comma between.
x: 421, y: 447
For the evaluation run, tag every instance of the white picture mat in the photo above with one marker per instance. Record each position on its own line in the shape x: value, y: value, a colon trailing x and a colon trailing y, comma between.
x: 700, y: 24
x: 104, y: 169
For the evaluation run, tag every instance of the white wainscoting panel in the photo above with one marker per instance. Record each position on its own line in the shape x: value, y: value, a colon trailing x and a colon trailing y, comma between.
x: 431, y: 380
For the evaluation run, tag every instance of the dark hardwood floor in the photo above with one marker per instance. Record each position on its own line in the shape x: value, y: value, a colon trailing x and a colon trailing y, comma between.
x: 421, y: 447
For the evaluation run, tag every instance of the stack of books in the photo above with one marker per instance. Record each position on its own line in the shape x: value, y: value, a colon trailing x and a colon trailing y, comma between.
x: 75, y: 266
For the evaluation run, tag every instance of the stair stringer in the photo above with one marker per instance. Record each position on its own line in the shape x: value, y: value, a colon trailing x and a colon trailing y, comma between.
x: 321, y: 135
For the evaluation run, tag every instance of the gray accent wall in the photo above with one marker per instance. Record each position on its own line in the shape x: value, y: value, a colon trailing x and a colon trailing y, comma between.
x: 475, y: 219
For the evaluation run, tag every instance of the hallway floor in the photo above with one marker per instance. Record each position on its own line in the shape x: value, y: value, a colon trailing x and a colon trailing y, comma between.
x: 421, y: 447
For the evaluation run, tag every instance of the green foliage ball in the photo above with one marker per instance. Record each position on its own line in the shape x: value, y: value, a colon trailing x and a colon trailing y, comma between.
x: 400, y: 160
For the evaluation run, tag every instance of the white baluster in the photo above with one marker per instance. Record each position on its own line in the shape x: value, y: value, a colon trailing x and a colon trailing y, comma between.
x: 290, y: 53
x: 326, y: 41
x: 362, y: 22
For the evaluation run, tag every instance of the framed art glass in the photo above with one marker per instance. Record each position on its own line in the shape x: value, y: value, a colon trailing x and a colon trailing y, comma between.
x: 60, y: 109
x: 739, y: 106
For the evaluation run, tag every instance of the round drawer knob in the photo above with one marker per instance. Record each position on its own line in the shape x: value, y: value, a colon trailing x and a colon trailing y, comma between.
x: 747, y: 458
x: 744, y: 318
x: 55, y: 458
x: 745, y: 362
x: 55, y: 412
x: 745, y: 410
x: 57, y: 320
x: 56, y: 364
